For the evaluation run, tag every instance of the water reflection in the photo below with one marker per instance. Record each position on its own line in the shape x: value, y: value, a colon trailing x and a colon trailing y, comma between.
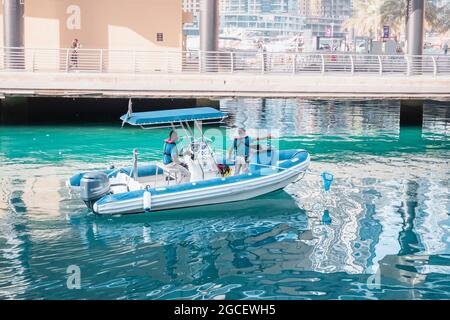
x: 408, y: 239
x: 299, y: 117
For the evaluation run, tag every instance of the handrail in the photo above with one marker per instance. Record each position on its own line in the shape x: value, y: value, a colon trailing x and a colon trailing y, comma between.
x: 380, y: 64
x: 435, y: 68
x: 66, y: 60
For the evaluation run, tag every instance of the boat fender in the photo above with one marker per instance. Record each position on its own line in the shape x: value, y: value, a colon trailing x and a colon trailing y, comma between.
x: 327, y: 180
x: 326, y: 218
x: 147, y: 201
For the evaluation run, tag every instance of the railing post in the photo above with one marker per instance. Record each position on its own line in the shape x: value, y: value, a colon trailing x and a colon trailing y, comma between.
x: 408, y: 66
x: 263, y: 65
x: 352, y: 64
x: 435, y: 69
x: 67, y: 60
x: 101, y: 60
x: 167, y: 61
x: 323, y: 63
x: 380, y: 64
x: 200, y: 61
x: 294, y: 63
x: 33, y: 59
x: 232, y: 62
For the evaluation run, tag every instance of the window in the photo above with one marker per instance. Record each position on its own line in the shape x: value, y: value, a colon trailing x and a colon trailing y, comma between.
x: 159, y: 36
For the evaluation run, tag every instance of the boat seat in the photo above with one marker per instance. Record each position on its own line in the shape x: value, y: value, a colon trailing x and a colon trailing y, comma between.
x: 168, y: 173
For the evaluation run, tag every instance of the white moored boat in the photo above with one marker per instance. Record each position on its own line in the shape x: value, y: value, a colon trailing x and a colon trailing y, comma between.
x: 153, y: 187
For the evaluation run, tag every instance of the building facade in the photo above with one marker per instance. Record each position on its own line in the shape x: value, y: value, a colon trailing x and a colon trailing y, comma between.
x: 106, y: 24
x: 325, y: 17
x: 262, y: 18
x: 310, y: 8
x: 274, y: 18
x: 192, y: 6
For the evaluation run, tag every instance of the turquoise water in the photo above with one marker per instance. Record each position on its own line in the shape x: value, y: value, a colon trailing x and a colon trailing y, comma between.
x: 382, y: 232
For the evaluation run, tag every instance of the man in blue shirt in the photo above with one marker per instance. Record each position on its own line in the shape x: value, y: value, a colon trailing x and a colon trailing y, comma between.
x: 171, y: 159
x: 241, y: 148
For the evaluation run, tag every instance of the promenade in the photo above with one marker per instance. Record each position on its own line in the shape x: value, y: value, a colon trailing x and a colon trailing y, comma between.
x: 175, y: 74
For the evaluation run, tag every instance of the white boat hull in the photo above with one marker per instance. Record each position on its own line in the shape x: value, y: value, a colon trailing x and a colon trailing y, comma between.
x: 206, y: 196
x: 144, y: 194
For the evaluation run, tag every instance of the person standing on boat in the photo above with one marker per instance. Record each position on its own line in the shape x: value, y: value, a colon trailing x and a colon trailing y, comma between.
x: 171, y: 159
x: 241, y: 149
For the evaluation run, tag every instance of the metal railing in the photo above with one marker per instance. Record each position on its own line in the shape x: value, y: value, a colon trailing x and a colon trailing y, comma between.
x: 150, y: 62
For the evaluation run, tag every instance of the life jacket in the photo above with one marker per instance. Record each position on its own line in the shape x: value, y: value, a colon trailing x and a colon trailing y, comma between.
x: 167, y: 150
x: 246, y: 149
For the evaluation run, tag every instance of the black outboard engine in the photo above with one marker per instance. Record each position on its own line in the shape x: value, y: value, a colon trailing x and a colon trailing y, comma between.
x: 93, y: 186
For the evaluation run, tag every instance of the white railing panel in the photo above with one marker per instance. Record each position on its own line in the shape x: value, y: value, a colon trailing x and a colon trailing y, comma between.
x: 442, y: 65
x: 308, y: 63
x: 252, y: 62
x: 366, y: 64
x: 394, y: 65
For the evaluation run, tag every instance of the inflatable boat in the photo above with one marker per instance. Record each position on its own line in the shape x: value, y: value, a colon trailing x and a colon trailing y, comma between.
x: 148, y: 187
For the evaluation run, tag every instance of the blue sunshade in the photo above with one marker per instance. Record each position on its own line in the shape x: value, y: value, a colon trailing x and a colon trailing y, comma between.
x: 175, y: 115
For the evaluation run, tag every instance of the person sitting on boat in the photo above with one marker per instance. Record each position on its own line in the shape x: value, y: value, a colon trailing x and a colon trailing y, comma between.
x: 171, y: 159
x: 241, y: 148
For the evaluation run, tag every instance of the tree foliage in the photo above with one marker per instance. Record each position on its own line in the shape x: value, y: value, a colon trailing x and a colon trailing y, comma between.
x: 369, y: 17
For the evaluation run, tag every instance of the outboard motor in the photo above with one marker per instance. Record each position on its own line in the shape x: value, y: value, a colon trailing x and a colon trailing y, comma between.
x: 93, y: 186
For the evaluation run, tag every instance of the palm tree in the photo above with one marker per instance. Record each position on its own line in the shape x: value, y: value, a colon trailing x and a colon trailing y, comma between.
x: 441, y: 19
x: 366, y: 17
x: 371, y: 15
x: 394, y: 12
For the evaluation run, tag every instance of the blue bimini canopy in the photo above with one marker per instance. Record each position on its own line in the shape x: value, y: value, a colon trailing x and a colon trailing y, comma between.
x: 170, y: 116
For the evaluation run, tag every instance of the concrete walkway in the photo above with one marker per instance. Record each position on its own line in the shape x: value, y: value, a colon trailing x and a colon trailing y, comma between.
x: 218, y: 85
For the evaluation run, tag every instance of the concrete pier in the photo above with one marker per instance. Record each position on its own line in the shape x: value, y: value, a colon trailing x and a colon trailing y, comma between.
x: 220, y: 85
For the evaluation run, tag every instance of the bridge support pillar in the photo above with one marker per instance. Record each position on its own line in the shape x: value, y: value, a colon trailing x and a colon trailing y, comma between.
x: 13, y: 21
x: 209, y: 33
x: 411, y: 113
x: 415, y: 22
